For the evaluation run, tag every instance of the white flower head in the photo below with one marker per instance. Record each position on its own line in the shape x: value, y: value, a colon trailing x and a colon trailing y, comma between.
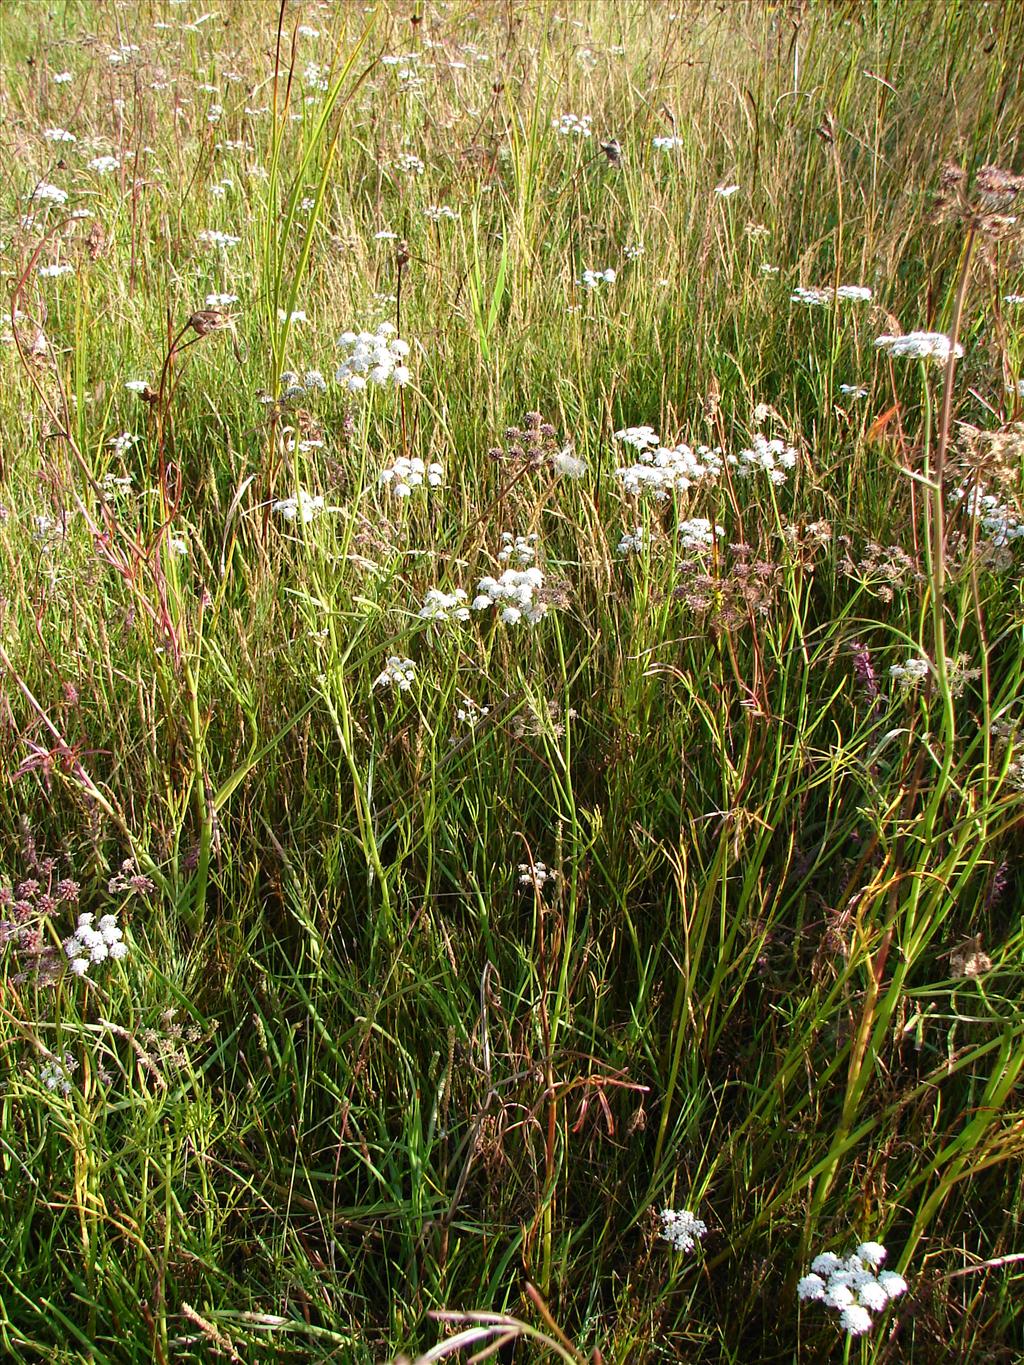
x: 445, y: 606
x: 855, y: 1320
x: 910, y: 673
x: 810, y: 1287
x: 871, y: 1252
x: 375, y: 356
x: 698, y: 533
x: 513, y: 596
x: 398, y: 673
x: 682, y: 1228
x: 593, y: 279
x: 304, y: 507
x: 572, y: 125
x: 893, y: 1284
x: 919, y: 346
x: 407, y: 474
x: 632, y: 542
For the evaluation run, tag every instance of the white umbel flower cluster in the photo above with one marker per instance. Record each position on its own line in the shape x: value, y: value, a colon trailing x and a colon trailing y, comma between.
x: 56, y: 1074
x: 521, y: 548
x: 997, y: 522
x: 45, y: 193
x: 667, y: 144
x: 919, y: 346
x: 405, y: 475
x: 445, y: 606
x: 536, y: 875
x: 88, y: 944
x: 304, y: 507
x: 397, y: 672
x: 572, y: 125
x: 514, y: 595
x: 376, y: 357
x: 214, y: 237
x: 909, y: 674
x: 593, y: 279
x: 698, y: 533
x: 662, y: 470
x: 820, y: 298
x: 409, y: 164
x: 773, y: 458
x: 682, y: 1228
x: 632, y: 542
x: 855, y: 1287
x: 640, y: 438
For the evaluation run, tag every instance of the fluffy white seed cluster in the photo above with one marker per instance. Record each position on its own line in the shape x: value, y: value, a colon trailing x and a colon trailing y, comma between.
x: 397, y: 672
x: 536, y: 875
x: 445, y: 606
x: 521, y: 548
x: 855, y: 1287
x: 996, y: 521
x: 304, y: 507
x: 513, y: 596
x: 918, y: 346
x: 773, y: 458
x: 662, y: 470
x: 593, y: 279
x: 88, y: 944
x: 682, y: 1228
x: 405, y: 475
x: 910, y: 673
x: 572, y: 125
x: 698, y: 533
x: 376, y: 357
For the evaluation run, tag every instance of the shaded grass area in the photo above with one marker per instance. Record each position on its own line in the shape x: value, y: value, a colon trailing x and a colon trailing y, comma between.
x: 362, y: 1062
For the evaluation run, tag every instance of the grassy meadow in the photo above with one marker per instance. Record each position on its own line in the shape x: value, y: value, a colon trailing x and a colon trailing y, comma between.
x: 511, y: 718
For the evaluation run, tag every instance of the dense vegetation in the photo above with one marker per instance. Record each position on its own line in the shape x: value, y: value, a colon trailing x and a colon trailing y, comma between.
x: 501, y: 823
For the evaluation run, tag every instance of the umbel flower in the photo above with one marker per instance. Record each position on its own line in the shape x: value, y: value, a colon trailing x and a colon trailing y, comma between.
x: 662, y: 470
x: 89, y: 945
x: 375, y: 357
x: 514, y: 595
x: 855, y: 1287
x: 397, y: 672
x: 406, y: 474
x: 918, y: 346
x: 682, y: 1228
